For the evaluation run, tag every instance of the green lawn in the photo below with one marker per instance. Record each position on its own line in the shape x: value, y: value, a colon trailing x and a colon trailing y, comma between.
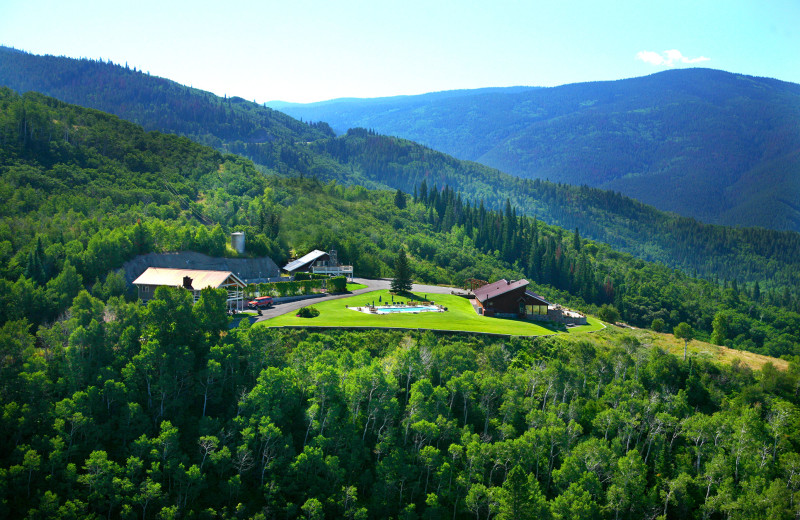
x: 459, y: 316
x: 355, y: 286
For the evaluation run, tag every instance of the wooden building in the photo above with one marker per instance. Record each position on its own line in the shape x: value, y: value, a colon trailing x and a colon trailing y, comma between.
x: 510, y: 299
x: 194, y: 280
x: 319, y: 262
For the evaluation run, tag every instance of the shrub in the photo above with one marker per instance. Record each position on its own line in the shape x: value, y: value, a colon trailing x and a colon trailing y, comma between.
x: 337, y: 284
x: 308, y: 312
x: 608, y: 313
x: 658, y: 325
x: 299, y: 277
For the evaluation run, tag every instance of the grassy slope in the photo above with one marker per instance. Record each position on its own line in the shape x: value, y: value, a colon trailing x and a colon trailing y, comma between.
x: 460, y: 316
x: 700, y: 349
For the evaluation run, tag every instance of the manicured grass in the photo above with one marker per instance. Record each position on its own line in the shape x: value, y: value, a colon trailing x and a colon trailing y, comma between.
x: 355, y: 286
x: 460, y: 316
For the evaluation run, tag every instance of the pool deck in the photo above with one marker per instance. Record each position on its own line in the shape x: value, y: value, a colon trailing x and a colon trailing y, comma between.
x: 280, y: 309
x: 400, y: 309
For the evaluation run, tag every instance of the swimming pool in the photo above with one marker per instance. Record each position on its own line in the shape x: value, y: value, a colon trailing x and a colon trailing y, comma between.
x: 419, y: 308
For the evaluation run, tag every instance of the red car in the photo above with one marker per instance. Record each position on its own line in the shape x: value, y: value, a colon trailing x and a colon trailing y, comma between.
x: 262, y: 302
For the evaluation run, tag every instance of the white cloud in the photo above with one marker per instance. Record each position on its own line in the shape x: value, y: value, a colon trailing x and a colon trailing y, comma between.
x: 667, y: 58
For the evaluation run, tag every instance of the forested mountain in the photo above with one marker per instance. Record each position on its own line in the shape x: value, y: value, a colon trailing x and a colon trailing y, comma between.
x: 720, y: 147
x: 83, y: 191
x: 112, y: 409
x: 743, y: 254
x: 361, y: 157
x: 152, y: 102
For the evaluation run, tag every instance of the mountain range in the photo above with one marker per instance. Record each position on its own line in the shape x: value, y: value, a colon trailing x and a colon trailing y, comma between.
x: 720, y: 147
x: 111, y: 407
x: 277, y: 143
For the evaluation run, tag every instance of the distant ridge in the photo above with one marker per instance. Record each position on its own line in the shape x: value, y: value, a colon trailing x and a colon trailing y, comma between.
x: 154, y: 103
x: 444, y: 94
x: 704, y: 143
x: 277, y: 143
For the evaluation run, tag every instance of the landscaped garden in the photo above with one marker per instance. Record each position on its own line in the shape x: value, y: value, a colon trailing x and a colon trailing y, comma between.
x: 460, y: 316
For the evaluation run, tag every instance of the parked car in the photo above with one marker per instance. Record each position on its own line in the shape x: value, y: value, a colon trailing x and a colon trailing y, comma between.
x: 262, y: 302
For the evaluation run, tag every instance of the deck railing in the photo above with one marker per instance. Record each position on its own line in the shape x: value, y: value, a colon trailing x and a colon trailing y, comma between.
x: 340, y: 269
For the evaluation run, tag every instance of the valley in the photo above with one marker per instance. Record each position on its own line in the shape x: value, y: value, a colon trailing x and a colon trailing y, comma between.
x: 678, y: 399
x: 684, y: 141
x: 278, y: 144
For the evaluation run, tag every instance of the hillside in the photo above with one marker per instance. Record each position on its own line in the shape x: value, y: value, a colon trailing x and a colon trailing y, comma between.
x: 293, y: 148
x: 720, y: 147
x: 114, y: 409
x: 83, y: 192
x: 743, y: 254
x: 157, y: 103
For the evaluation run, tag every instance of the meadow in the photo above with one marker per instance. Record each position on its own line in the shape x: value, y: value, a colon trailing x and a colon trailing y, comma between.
x: 460, y: 316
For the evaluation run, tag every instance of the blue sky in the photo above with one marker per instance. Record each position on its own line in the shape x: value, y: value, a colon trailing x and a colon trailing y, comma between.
x: 308, y: 50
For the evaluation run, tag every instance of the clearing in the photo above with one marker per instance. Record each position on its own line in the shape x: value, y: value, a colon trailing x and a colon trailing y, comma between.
x: 460, y: 316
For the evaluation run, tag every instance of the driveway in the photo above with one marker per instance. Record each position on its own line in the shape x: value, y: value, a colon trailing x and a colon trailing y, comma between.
x: 280, y: 309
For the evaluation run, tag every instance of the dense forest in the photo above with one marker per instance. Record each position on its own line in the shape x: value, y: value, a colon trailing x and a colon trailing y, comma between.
x: 742, y: 254
x: 126, y: 411
x: 115, y: 409
x: 592, y: 275
x: 291, y: 148
x: 704, y: 143
x: 85, y: 191
x: 152, y: 102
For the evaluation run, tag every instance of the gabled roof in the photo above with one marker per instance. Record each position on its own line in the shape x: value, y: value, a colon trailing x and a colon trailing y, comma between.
x: 303, y: 260
x: 534, y: 295
x: 174, y: 278
x: 493, y: 290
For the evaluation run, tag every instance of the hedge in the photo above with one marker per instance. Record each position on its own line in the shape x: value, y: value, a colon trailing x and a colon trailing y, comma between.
x: 297, y: 287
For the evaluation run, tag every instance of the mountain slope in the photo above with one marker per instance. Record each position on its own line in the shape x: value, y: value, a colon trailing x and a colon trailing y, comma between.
x: 152, y: 102
x: 82, y: 191
x: 699, y: 142
x: 745, y: 254
x: 374, y: 161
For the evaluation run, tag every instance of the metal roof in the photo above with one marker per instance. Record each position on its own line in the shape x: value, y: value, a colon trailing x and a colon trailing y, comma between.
x: 493, y: 290
x: 534, y: 295
x: 303, y: 260
x: 174, y: 278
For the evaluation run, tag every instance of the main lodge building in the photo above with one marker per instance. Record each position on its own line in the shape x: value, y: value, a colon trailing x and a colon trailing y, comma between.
x: 194, y: 280
x: 513, y: 299
x: 508, y: 299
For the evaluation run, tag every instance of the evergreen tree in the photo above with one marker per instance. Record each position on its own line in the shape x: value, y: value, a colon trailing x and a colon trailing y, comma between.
x: 402, y: 274
x: 400, y: 199
x: 36, y: 268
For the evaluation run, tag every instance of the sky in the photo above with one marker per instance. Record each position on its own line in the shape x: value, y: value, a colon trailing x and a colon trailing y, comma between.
x: 308, y: 50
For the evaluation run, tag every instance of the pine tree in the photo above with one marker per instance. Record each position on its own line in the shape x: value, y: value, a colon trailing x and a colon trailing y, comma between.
x: 400, y: 199
x: 402, y: 274
x: 36, y: 268
x: 756, y: 292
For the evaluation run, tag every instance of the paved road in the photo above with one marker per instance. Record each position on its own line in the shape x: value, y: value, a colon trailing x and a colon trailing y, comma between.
x: 280, y: 309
